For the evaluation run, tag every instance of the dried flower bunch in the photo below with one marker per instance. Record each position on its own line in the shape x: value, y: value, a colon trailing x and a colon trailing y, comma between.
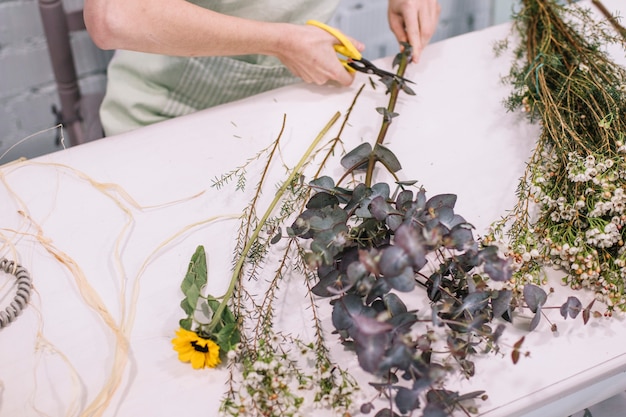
x: 571, y: 208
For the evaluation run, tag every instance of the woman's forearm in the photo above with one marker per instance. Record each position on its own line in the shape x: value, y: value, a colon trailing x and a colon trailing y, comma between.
x: 180, y: 28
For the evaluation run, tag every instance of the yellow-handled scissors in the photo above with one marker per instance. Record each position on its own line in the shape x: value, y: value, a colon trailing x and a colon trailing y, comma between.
x: 353, y: 60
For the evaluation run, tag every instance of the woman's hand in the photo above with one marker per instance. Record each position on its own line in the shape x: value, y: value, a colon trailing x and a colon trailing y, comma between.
x: 414, y: 21
x: 308, y: 52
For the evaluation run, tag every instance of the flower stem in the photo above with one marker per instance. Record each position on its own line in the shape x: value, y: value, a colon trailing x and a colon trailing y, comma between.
x: 395, y: 89
x: 242, y: 257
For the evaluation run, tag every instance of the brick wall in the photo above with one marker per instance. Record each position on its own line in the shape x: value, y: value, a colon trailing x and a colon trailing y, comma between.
x: 27, y: 89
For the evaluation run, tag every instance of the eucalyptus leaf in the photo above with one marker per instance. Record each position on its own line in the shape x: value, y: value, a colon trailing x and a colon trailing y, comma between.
x: 534, y: 297
x: 536, y: 319
x: 381, y: 209
x: 322, y: 199
x: 370, y: 326
x: 460, y: 237
x: 345, y: 309
x: 433, y: 286
x: 587, y: 311
x: 497, y: 268
x: 571, y: 307
x: 378, y: 190
x: 277, y: 237
x: 399, y: 356
x: 380, y: 288
x: 404, y: 200
x: 501, y: 302
x: 381, y: 189
x: 370, y: 349
x: 385, y: 412
x: 393, y: 261
x: 387, y: 115
x: 403, y: 282
x: 329, y: 280
x: 393, y: 221
x: 412, y: 243
x: 360, y: 194
x: 357, y: 157
x: 440, y: 201
x: 407, y: 400
x: 394, y: 304
x: 356, y: 271
x: 387, y: 157
x: 473, y: 303
x: 434, y: 410
x: 323, y: 183
x: 388, y: 82
x: 408, y: 90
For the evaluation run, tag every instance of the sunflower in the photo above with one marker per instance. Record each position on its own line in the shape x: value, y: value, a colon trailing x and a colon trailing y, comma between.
x: 199, y: 351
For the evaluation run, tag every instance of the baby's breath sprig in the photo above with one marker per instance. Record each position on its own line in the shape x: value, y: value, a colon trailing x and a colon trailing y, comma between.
x: 571, y: 208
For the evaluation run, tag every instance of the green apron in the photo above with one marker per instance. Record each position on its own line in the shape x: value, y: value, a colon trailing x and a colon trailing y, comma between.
x: 146, y: 88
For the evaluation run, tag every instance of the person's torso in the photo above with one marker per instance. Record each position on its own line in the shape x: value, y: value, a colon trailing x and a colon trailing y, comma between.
x: 146, y: 88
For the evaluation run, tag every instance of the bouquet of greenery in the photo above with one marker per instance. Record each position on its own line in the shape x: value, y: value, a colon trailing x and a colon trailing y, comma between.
x: 411, y: 290
x: 571, y: 207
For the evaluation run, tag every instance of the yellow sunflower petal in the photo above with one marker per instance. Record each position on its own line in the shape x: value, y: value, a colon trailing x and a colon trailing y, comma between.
x: 213, y: 355
x: 186, y: 355
x: 186, y: 335
x: 197, y: 360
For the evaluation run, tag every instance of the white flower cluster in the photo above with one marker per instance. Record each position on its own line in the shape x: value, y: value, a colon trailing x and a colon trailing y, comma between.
x: 576, y: 224
x: 582, y: 264
x: 264, y: 388
x: 332, y: 387
x: 268, y: 385
x: 606, y: 238
x: 585, y: 169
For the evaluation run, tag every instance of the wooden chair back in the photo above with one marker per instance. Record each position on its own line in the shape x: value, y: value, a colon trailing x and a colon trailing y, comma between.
x: 79, y: 113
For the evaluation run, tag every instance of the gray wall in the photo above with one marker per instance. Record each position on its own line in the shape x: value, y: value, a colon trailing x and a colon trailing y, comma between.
x: 27, y: 90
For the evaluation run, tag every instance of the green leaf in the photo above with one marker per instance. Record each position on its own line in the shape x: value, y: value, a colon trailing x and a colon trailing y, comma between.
x: 228, y: 337
x: 186, y: 323
x: 194, y: 281
x: 387, y: 157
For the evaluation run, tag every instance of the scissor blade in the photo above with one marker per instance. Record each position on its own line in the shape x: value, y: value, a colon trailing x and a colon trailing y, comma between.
x: 365, y: 66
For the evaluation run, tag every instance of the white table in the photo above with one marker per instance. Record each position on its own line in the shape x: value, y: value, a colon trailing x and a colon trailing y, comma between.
x: 454, y: 137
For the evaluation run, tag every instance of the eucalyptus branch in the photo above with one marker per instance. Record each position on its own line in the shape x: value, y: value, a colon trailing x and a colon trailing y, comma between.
x: 394, y: 91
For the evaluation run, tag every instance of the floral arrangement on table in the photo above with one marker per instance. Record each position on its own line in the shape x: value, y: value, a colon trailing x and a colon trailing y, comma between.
x: 414, y: 295
x: 571, y: 208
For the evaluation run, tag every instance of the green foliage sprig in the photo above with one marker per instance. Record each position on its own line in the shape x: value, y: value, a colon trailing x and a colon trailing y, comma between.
x: 200, y: 309
x: 571, y: 208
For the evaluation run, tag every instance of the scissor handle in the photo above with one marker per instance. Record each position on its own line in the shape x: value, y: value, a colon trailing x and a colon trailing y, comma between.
x: 345, y: 47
